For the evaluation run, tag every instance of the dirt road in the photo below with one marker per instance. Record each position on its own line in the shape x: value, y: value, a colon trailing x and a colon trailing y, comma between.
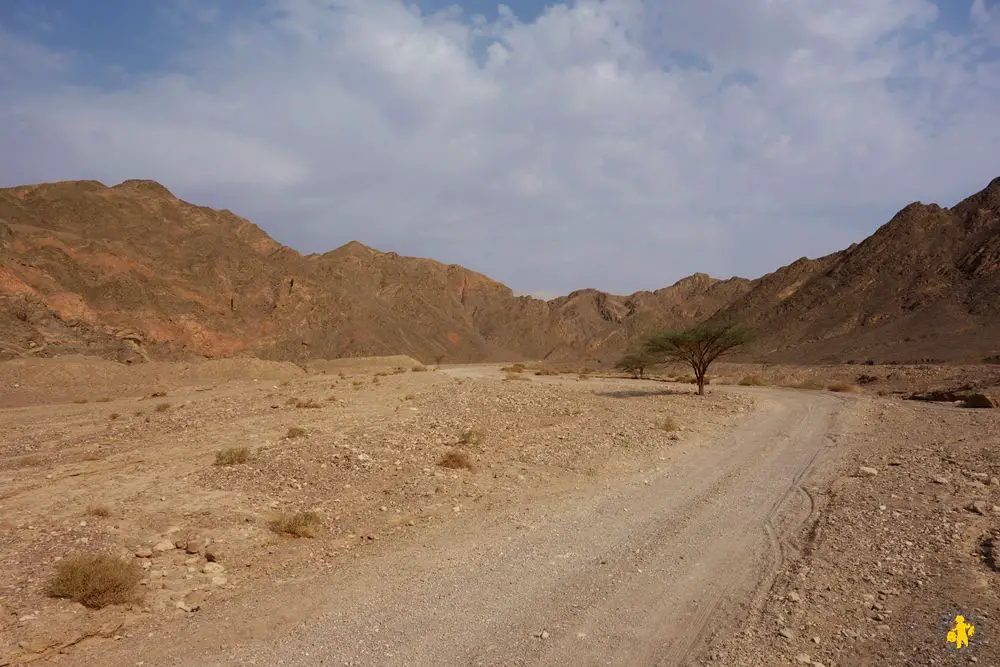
x: 635, y: 571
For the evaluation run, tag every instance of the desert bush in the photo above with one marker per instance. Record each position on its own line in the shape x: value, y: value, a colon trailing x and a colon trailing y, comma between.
x: 158, y: 394
x: 81, y: 401
x: 752, y: 381
x: 883, y: 392
x: 844, y: 387
x: 95, y: 580
x: 398, y: 370
x: 232, y: 456
x: 456, y: 460
x: 99, y: 510
x: 162, y: 407
x: 295, y: 432
x: 308, y: 404
x: 470, y: 436
x: 669, y: 425
x: 300, y: 524
x: 513, y: 368
x: 113, y: 416
x: 583, y: 376
x: 546, y: 371
x: 419, y: 369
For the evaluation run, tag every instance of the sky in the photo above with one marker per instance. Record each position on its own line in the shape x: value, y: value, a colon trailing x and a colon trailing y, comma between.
x: 609, y: 144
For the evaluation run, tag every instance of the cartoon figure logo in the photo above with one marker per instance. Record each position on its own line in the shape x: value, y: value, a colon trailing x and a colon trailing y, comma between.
x: 959, y: 635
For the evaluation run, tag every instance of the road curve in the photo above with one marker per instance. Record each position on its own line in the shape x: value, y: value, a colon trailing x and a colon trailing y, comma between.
x: 635, y: 571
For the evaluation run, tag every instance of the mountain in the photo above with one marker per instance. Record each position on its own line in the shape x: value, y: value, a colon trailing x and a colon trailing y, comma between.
x: 926, y: 285
x: 131, y: 273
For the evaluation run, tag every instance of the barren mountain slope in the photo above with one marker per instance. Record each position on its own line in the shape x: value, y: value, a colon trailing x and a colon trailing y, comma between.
x: 132, y: 272
x: 925, y: 285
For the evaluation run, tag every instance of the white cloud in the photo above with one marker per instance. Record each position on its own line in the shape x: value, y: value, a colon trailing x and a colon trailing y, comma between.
x: 562, y: 153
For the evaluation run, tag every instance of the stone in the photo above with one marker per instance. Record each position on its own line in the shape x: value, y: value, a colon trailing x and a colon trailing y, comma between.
x: 219, y: 580
x: 794, y: 597
x: 803, y: 659
x: 163, y: 546
x: 978, y: 507
x: 977, y: 400
x: 995, y: 481
x: 867, y: 471
x: 980, y: 476
x: 941, y: 480
x: 143, y: 552
x: 194, y: 545
x: 787, y: 633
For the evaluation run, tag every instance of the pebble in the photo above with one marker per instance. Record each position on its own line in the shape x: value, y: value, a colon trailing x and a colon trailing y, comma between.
x: 163, y: 546
x: 787, y: 633
x: 143, y: 552
x: 867, y: 471
x: 213, y: 568
x: 978, y: 507
x: 804, y: 659
x: 941, y: 480
x: 794, y: 597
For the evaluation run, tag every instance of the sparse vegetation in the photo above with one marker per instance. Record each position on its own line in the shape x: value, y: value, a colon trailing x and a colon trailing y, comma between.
x: 583, y: 376
x: 398, y: 370
x: 669, y: 425
x: 546, y: 371
x: 295, y: 432
x: 419, y: 369
x: 470, y: 436
x: 357, y: 383
x: 99, y: 510
x: 96, y: 580
x: 635, y: 363
x: 456, y: 460
x: 752, y: 381
x: 113, y: 416
x: 513, y: 368
x: 158, y: 394
x: 310, y: 403
x: 300, y: 524
x: 162, y: 407
x: 699, y: 346
x: 409, y: 397
x: 844, y: 387
x: 232, y: 456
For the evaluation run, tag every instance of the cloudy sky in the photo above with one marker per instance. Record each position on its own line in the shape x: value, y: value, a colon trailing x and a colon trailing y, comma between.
x: 616, y: 144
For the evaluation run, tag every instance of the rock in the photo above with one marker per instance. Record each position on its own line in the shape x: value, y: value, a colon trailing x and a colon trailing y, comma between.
x: 980, y: 401
x: 219, y: 580
x: 816, y: 640
x: 542, y: 635
x: 978, y: 507
x: 979, y: 476
x: 803, y: 659
x: 143, y: 552
x: 183, y: 606
x: 787, y: 633
x: 194, y: 545
x: 941, y: 480
x: 194, y: 600
x: 163, y: 546
x: 211, y: 555
x: 794, y: 597
x: 995, y: 481
x: 38, y: 644
x: 867, y: 471
x: 213, y: 568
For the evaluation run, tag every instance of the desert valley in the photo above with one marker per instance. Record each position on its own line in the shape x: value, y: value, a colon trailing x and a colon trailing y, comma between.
x: 219, y: 451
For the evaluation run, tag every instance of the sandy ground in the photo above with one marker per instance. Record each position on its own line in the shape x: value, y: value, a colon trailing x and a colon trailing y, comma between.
x: 585, y: 533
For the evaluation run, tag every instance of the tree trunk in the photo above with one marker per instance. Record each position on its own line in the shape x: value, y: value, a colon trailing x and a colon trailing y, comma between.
x: 699, y: 375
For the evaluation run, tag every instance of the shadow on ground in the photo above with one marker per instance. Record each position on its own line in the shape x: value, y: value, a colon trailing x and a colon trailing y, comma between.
x: 637, y: 393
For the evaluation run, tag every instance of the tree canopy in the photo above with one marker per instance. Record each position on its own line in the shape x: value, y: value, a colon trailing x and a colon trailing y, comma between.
x: 699, y: 346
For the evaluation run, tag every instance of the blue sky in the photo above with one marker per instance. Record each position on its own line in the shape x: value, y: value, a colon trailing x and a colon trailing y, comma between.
x: 617, y: 144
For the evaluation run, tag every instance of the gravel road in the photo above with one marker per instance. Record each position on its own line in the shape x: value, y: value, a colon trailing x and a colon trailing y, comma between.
x: 640, y: 570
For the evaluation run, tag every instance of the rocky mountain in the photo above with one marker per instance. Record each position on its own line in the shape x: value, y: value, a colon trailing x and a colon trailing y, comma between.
x: 130, y: 273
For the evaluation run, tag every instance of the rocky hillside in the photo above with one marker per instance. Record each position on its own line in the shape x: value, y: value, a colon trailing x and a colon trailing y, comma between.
x: 132, y: 273
x: 926, y: 285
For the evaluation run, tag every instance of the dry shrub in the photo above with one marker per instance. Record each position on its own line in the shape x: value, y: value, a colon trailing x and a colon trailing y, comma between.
x: 99, y: 510
x: 546, y: 371
x: 844, y: 387
x: 513, y: 368
x: 419, y: 369
x: 883, y: 392
x: 357, y: 383
x: 583, y: 376
x: 669, y: 425
x: 398, y: 370
x: 80, y: 401
x: 232, y: 456
x: 470, y: 436
x: 113, y: 416
x: 300, y: 524
x: 96, y: 580
x: 752, y: 381
x: 516, y: 376
x: 409, y: 397
x: 308, y: 404
x: 295, y: 432
x: 162, y: 407
x: 158, y: 394
x: 456, y: 460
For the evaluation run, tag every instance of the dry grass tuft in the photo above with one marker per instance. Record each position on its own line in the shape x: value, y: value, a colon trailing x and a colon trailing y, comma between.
x: 99, y: 510
x: 752, y: 381
x: 301, y: 524
x: 669, y: 425
x: 419, y: 369
x: 514, y: 368
x: 398, y: 370
x: 308, y: 404
x: 295, y: 432
x: 844, y: 387
x: 232, y: 456
x: 162, y: 407
x: 409, y: 397
x: 113, y: 416
x: 158, y: 394
x: 470, y: 436
x: 456, y: 460
x: 96, y: 580
x: 546, y: 371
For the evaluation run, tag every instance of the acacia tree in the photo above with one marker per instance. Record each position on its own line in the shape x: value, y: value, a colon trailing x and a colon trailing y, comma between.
x: 635, y: 363
x: 699, y: 346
